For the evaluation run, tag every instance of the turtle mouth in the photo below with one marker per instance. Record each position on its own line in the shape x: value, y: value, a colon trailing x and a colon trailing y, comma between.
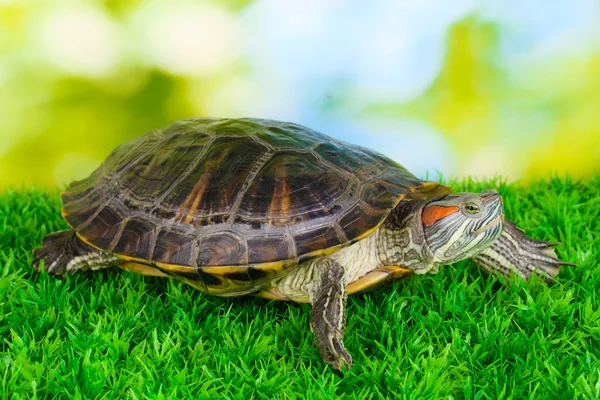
x: 491, y: 224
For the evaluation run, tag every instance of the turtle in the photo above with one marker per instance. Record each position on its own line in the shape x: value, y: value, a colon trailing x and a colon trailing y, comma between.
x: 245, y: 206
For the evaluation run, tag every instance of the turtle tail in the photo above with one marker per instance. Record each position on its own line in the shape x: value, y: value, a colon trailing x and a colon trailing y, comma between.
x: 515, y: 252
x: 64, y: 252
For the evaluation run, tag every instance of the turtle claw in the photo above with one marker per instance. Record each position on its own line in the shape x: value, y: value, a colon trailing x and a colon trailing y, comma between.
x: 55, y: 251
x: 515, y: 252
x: 345, y: 360
x: 334, y: 353
x: 552, y: 244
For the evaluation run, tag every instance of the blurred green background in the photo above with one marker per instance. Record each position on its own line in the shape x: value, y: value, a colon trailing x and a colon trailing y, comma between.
x: 461, y: 87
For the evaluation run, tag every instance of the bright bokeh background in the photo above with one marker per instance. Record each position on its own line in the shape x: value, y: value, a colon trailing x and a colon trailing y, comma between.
x: 459, y: 87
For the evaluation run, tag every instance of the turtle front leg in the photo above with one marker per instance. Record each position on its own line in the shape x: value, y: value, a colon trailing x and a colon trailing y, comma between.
x: 328, y: 317
x: 515, y: 252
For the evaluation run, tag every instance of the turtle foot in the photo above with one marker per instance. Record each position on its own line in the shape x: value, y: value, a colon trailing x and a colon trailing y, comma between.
x: 516, y: 252
x: 334, y: 353
x: 64, y: 252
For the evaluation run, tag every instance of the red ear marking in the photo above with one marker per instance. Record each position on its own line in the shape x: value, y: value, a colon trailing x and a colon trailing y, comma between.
x: 434, y: 213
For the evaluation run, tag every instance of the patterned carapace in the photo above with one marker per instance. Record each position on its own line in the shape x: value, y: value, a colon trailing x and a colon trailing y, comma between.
x: 247, y: 193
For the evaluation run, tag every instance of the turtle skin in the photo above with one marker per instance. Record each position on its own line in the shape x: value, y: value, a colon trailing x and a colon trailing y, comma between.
x: 228, y: 205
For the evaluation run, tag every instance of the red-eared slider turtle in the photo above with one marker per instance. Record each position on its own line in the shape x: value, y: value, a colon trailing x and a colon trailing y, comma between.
x: 277, y: 210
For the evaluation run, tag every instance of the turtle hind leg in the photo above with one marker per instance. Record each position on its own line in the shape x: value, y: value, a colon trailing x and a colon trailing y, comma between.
x: 515, y: 252
x: 64, y: 252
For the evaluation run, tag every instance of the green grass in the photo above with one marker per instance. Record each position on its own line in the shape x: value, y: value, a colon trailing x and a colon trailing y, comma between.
x: 457, y: 334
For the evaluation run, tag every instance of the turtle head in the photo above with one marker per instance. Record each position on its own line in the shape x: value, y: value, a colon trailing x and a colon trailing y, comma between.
x: 461, y: 225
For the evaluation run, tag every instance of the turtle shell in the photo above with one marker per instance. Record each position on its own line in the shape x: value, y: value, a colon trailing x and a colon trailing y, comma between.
x: 228, y: 205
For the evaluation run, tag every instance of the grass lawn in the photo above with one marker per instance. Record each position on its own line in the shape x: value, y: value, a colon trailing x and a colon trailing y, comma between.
x: 457, y: 334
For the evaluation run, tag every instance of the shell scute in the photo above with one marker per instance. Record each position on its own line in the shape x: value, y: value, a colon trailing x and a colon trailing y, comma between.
x: 290, y: 186
x: 223, y: 248
x: 203, y: 194
x: 319, y: 238
x: 267, y: 249
x: 358, y: 220
x: 80, y: 211
x: 136, y: 240
x: 172, y: 247
x: 104, y: 229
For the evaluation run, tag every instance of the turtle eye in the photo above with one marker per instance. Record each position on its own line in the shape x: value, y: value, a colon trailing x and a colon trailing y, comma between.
x: 472, y: 208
